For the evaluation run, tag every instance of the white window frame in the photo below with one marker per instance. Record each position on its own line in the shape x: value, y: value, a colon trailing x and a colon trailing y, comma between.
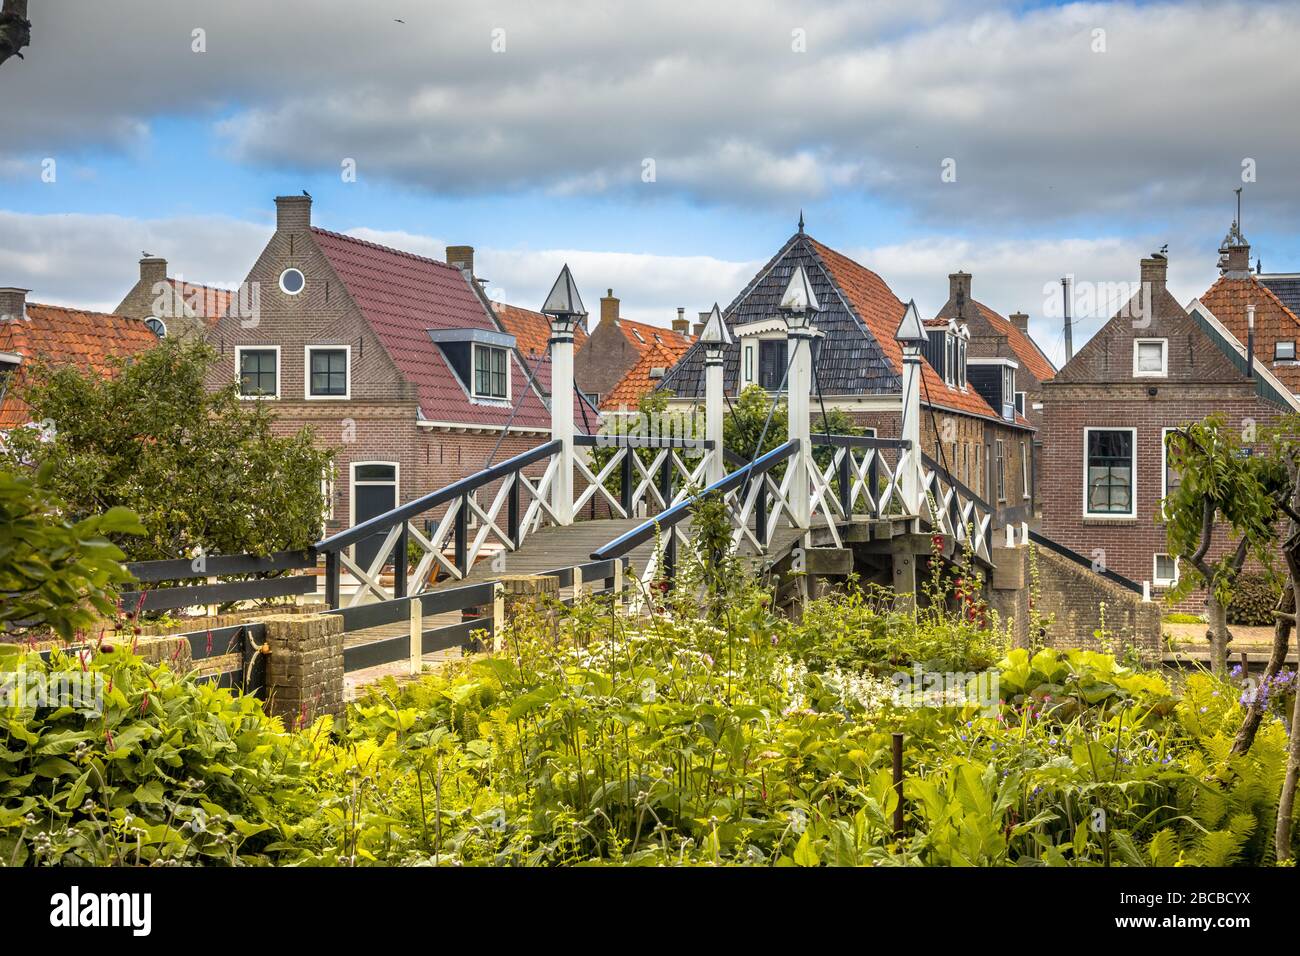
x: 473, y: 374
x: 154, y: 318
x: 306, y: 372
x: 1164, y: 358
x: 1000, y: 470
x: 1023, y: 407
x: 1156, y: 579
x: 1024, y: 469
x: 748, y: 360
x: 285, y: 271
x: 1133, y: 497
x: 1284, y: 361
x: 239, y: 376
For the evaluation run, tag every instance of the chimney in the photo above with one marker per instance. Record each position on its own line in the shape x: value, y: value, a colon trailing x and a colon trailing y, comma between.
x: 1020, y: 320
x: 680, y: 325
x: 1234, y: 253
x: 959, y: 290
x: 292, y: 213
x: 1067, y: 328
x: 609, y: 308
x: 1154, y: 270
x: 13, y: 303
x: 153, y: 269
x: 462, y: 257
x: 1250, y: 340
x: 699, y: 326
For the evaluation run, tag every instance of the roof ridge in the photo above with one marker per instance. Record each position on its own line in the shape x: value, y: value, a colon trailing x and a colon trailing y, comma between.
x: 383, y: 248
x: 1252, y: 278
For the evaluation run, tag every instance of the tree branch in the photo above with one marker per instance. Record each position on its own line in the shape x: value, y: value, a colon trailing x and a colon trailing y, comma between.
x: 15, y: 29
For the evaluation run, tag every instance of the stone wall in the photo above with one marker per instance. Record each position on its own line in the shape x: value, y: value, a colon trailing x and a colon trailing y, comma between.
x: 304, y: 672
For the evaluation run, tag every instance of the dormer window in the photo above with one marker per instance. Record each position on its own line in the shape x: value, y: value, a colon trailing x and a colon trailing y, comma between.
x: 491, y: 372
x: 480, y: 358
x: 1009, y: 392
x: 1284, y: 351
x: 1150, y: 358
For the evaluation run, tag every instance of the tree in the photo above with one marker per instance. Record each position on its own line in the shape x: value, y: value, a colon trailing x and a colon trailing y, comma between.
x: 15, y: 29
x: 743, y: 426
x: 203, y: 470
x: 55, y: 572
x: 1222, y: 484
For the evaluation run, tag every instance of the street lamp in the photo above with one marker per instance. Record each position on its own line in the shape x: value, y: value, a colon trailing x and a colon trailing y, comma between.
x: 798, y: 302
x: 564, y: 306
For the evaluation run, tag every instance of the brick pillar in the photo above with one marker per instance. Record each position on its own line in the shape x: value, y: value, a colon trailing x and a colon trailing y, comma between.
x: 1009, y: 587
x: 304, y: 675
x: 519, y: 591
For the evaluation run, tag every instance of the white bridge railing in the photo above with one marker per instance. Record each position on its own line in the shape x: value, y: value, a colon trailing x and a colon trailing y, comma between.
x: 497, y: 509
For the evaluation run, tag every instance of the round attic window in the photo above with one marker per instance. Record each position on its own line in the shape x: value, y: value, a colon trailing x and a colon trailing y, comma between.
x: 156, y: 326
x: 292, y: 281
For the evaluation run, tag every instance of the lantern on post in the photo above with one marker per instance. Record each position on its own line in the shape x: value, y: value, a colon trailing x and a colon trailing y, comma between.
x: 714, y: 337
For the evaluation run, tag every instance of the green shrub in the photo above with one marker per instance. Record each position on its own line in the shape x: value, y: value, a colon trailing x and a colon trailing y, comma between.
x: 1254, y: 599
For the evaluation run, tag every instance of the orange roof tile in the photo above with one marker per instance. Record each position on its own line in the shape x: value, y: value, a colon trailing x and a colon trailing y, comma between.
x: 207, y: 302
x: 659, y: 348
x: 59, y: 336
x: 881, y: 311
x: 1027, y: 351
x: 644, y: 336
x: 1228, y: 298
x: 532, y: 330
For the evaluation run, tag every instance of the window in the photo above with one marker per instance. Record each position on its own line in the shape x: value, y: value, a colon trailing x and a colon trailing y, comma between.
x: 961, y: 363
x: 749, y: 364
x: 1002, y: 471
x: 978, y: 486
x: 1020, y: 402
x: 156, y: 326
x: 292, y: 281
x: 491, y: 379
x: 259, y: 371
x: 327, y: 371
x: 1166, y: 571
x: 1024, y: 470
x: 949, y: 359
x: 1108, y: 472
x: 1284, y: 352
x: 1172, y: 478
x: 1008, y: 393
x: 1150, y: 358
x: 772, y: 361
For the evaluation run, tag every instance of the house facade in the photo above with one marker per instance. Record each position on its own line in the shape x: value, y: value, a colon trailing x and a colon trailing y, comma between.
x: 998, y: 342
x: 1153, y: 367
x: 172, y: 307
x: 623, y: 360
x: 969, y: 425
x: 31, y: 334
x: 396, y: 360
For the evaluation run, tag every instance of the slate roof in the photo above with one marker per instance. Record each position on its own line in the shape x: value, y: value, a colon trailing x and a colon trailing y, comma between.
x: 1274, y: 320
x: 402, y: 296
x: 1286, y: 286
x: 59, y: 336
x: 859, y: 315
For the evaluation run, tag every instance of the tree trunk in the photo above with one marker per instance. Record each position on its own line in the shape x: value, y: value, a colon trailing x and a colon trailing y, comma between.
x: 15, y: 29
x: 1276, y: 658
x: 1217, y: 634
x: 1286, y: 802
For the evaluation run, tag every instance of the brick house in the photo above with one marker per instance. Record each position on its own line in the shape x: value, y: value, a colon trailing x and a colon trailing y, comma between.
x: 172, y: 307
x: 396, y: 360
x: 996, y: 340
x: 858, y: 369
x: 623, y: 360
x: 57, y: 336
x: 1272, y: 299
x: 1153, y: 367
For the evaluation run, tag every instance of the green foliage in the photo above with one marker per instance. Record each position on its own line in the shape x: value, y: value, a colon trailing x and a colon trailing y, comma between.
x: 742, y: 426
x: 1220, y: 482
x: 55, y: 573
x: 200, y: 468
x: 679, y: 737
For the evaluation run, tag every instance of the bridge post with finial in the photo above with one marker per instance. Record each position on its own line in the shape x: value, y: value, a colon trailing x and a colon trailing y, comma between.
x: 564, y: 307
x: 799, y: 307
x: 714, y: 337
x: 911, y: 336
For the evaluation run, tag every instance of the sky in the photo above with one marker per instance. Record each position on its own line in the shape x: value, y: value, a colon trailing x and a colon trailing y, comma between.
x: 662, y: 149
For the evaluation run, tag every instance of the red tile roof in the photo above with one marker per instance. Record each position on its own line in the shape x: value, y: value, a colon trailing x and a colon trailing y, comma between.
x: 532, y: 332
x: 207, y: 302
x: 881, y: 311
x: 1026, y: 349
x: 1228, y: 298
x: 58, y: 336
x: 402, y: 296
x: 658, y: 348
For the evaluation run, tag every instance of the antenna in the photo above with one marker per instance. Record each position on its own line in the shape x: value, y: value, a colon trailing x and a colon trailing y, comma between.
x: 1069, y: 332
x: 1238, y: 192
